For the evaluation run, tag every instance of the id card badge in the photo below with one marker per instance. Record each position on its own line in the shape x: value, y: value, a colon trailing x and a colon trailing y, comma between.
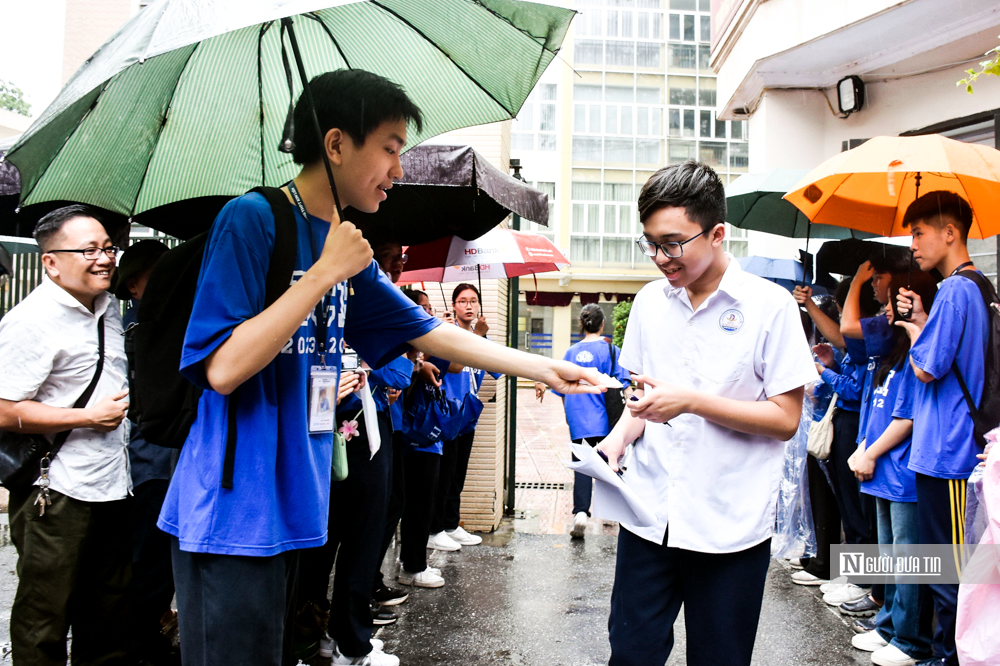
x: 323, y: 383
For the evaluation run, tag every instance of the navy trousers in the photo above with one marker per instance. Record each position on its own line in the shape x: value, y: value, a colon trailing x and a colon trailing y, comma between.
x: 583, y: 485
x: 940, y: 511
x: 721, y: 593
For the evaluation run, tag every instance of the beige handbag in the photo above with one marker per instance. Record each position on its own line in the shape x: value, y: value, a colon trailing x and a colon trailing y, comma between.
x: 821, y: 433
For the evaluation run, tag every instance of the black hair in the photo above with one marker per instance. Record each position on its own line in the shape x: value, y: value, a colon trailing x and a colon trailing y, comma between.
x: 693, y: 186
x: 591, y: 318
x: 867, y: 303
x: 893, y: 259
x: 940, y: 203
x: 353, y: 100
x: 807, y: 326
x: 463, y: 287
x: 49, y: 226
x: 923, y: 285
x: 840, y: 293
x: 414, y: 295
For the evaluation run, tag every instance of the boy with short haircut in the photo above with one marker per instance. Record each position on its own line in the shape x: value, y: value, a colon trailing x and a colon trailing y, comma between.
x: 709, y: 446
x: 234, y: 548
x: 954, y: 334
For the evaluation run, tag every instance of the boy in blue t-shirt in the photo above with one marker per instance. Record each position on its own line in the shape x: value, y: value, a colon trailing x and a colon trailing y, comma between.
x: 954, y: 334
x: 233, y: 548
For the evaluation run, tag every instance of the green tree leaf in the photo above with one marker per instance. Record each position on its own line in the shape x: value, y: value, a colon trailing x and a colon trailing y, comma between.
x: 987, y: 67
x: 12, y: 99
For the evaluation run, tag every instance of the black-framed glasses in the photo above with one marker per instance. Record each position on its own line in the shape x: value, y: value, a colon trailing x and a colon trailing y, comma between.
x: 92, y: 253
x: 671, y: 249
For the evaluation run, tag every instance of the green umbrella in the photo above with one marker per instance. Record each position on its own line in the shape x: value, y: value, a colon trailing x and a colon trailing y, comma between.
x: 189, y: 99
x: 754, y: 202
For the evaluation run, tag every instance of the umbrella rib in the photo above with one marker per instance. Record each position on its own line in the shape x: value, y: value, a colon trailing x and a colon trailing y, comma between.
x: 260, y: 98
x: 163, y: 123
x: 333, y: 39
x: 519, y: 29
x: 436, y: 46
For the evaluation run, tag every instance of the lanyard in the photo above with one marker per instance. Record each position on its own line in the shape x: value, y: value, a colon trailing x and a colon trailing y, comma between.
x: 962, y: 267
x: 323, y: 306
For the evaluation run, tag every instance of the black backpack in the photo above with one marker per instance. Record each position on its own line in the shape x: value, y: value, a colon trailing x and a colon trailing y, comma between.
x: 162, y: 401
x: 986, y: 416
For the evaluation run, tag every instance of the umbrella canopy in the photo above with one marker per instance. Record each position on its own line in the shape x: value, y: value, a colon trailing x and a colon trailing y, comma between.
x: 755, y: 201
x: 500, y: 253
x: 870, y: 187
x: 773, y: 269
x: 189, y: 99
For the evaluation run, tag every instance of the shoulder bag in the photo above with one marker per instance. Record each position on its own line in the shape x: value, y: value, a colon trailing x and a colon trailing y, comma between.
x: 821, y: 433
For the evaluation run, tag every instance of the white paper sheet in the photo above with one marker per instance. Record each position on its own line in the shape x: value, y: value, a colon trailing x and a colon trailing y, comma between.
x: 613, y: 499
x: 371, y: 419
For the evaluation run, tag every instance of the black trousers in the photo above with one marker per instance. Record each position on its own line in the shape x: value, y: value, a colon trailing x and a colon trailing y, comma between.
x: 233, y: 609
x: 583, y: 485
x: 397, y: 501
x: 74, y: 568
x: 421, y: 486
x: 451, y: 482
x: 826, y: 519
x: 940, y: 519
x: 721, y: 594
x: 357, y: 523
x: 152, y: 575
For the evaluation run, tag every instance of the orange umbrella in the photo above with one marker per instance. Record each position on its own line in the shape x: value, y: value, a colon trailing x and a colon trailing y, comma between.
x: 870, y: 187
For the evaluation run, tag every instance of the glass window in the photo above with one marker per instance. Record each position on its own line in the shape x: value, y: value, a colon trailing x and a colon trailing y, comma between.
x: 618, y: 192
x: 625, y: 219
x: 649, y: 95
x: 685, y: 5
x: 642, y: 121
x: 586, y: 149
x: 619, y: 94
x: 579, y: 118
x: 704, y: 5
x: 586, y: 190
x: 548, y: 91
x: 673, y: 122
x: 642, y: 25
x: 649, y: 4
x: 526, y: 118
x: 618, y: 150
x: 547, y: 142
x: 647, y: 152
x: 626, y: 120
x: 688, y: 122
x: 739, y: 156
x: 704, y: 57
x: 655, y: 125
x: 705, y: 124
x: 586, y: 93
x: 713, y: 153
x: 675, y: 26
x: 688, y: 28
x: 547, y: 123
x: 611, y: 120
x: 682, y: 90
x: 617, y: 251
x: 585, y: 250
x: 522, y: 141
x: 720, y: 129
x: 657, y: 27
x: 681, y: 56
x: 706, y: 92
x: 610, y: 219
x: 595, y: 119
x: 612, y: 24
x: 620, y: 53
x: 737, y: 126
x: 626, y: 24
x: 681, y: 151
x: 649, y: 56
x: 706, y: 29
x: 593, y: 218
x: 588, y: 52
x: 578, y: 217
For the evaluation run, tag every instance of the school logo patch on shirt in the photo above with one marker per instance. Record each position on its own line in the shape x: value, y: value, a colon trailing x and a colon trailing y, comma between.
x: 731, y: 321
x: 584, y: 357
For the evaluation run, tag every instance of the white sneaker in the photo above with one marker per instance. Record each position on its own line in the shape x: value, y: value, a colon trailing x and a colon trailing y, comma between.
x: 425, y: 578
x: 442, y: 541
x: 795, y: 563
x: 579, y: 525
x: 805, y: 578
x: 326, y: 646
x: 377, y: 645
x: 433, y: 570
x: 891, y: 655
x: 463, y: 538
x: 845, y: 595
x: 868, y: 641
x: 834, y: 584
x: 373, y: 658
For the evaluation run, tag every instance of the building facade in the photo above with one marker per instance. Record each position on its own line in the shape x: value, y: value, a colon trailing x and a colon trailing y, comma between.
x: 631, y: 91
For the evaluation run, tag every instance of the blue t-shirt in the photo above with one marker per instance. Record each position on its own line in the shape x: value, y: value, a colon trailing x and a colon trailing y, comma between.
x: 585, y: 412
x: 457, y: 384
x: 878, y: 340
x: 281, y: 480
x: 846, y: 380
x: 957, y: 331
x: 395, y: 374
x: 892, y: 480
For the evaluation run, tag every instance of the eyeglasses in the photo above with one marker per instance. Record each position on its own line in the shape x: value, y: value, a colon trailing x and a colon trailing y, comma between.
x: 464, y: 302
x: 671, y: 249
x: 92, y: 253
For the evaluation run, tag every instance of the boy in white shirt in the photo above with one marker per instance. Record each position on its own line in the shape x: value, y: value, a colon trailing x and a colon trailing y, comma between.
x: 724, y: 360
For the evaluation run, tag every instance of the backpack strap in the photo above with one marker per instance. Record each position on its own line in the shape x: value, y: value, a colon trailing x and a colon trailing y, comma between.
x: 84, y: 398
x: 279, y: 276
x: 614, y: 363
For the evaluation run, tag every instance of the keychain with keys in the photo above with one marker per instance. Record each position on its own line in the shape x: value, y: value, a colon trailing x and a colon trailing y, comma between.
x: 43, y: 487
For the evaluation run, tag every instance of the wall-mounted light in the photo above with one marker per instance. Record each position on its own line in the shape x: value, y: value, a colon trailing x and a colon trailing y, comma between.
x: 850, y: 94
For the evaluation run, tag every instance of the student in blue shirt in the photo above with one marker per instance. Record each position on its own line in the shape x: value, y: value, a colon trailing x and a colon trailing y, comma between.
x: 903, y: 626
x: 586, y: 415
x: 953, y: 333
x: 245, y: 538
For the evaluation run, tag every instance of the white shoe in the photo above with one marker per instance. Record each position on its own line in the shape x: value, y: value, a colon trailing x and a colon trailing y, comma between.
x: 433, y: 570
x: 442, y: 541
x: 891, y: 655
x: 463, y: 538
x: 845, y: 595
x: 795, y: 562
x: 869, y: 641
x: 373, y: 658
x: 834, y: 584
x: 377, y: 645
x: 425, y: 578
x: 805, y: 578
x: 579, y: 525
x: 326, y: 646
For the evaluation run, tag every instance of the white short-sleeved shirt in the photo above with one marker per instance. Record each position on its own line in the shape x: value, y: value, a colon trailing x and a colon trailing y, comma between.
x: 716, y: 488
x: 49, y: 347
